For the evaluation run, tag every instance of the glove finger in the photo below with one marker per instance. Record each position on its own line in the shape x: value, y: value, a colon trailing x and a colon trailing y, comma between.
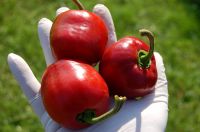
x: 162, y: 79
x: 161, y: 88
x: 61, y: 10
x: 27, y: 81
x: 44, y: 27
x: 103, y: 12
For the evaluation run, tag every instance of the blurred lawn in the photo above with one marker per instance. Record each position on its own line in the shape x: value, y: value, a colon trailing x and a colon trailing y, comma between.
x: 175, y: 24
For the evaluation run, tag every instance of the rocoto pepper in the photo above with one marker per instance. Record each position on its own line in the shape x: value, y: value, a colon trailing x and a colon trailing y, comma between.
x: 75, y: 95
x: 79, y: 35
x: 129, y: 66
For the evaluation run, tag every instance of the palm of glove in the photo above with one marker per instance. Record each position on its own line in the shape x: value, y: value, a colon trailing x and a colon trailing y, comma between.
x: 147, y: 114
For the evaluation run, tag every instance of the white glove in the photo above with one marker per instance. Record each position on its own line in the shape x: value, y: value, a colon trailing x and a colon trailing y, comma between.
x: 146, y: 115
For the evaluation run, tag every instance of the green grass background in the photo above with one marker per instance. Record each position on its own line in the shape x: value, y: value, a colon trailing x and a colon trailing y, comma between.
x: 175, y: 24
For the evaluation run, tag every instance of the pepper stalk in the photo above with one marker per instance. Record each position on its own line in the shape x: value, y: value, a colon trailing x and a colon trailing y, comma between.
x: 144, y: 57
x: 79, y: 4
x: 89, y: 117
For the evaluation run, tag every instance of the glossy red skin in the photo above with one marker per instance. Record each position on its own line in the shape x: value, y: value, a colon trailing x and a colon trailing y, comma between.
x: 119, y: 67
x: 78, y: 35
x: 68, y: 88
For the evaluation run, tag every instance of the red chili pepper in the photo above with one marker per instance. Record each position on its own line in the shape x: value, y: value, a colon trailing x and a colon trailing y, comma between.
x: 129, y: 66
x: 78, y: 35
x: 75, y: 95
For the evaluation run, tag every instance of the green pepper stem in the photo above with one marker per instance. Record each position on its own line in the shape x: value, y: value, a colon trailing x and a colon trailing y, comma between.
x: 145, y: 57
x: 79, y: 4
x: 88, y: 116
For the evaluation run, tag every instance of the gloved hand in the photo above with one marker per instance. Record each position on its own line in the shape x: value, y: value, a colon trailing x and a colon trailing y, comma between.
x: 146, y: 115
